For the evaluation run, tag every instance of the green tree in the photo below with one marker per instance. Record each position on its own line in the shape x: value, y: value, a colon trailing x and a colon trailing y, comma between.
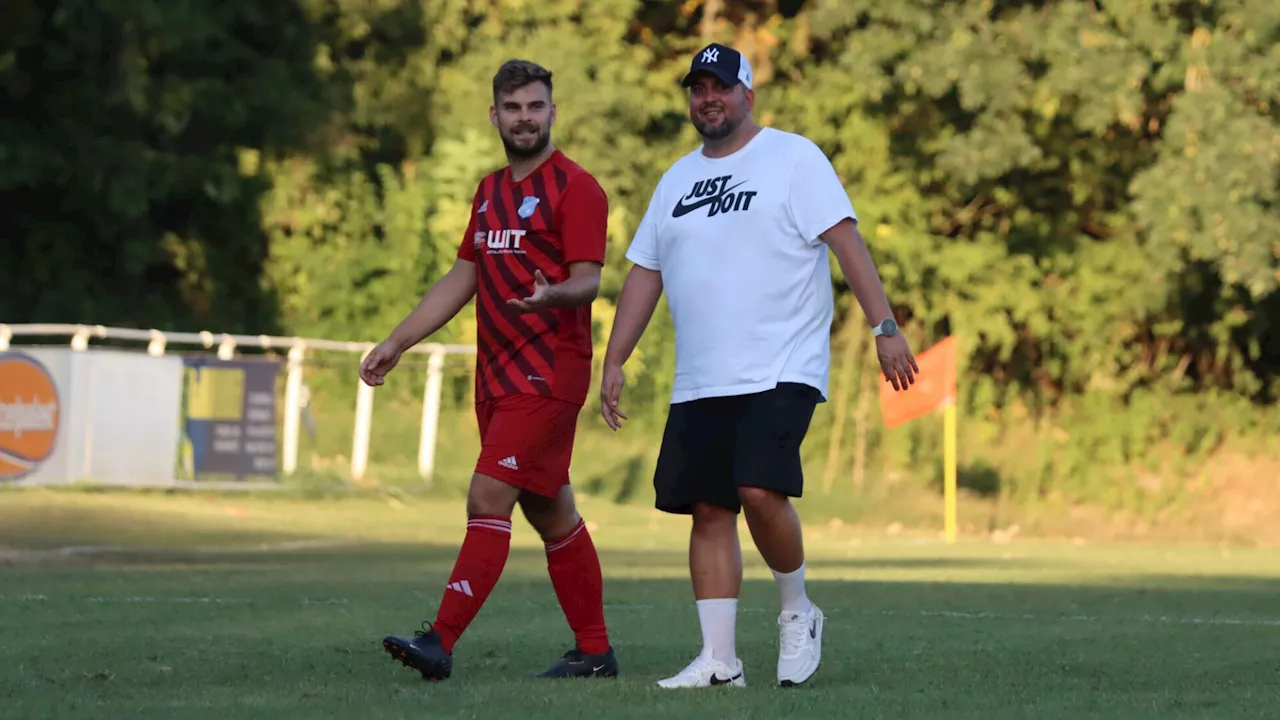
x: 120, y: 156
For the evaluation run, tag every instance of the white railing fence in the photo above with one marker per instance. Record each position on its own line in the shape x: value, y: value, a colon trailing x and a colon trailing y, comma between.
x: 157, y: 341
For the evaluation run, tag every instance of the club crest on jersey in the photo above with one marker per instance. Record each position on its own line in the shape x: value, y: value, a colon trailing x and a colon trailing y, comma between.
x: 527, y: 207
x: 717, y: 195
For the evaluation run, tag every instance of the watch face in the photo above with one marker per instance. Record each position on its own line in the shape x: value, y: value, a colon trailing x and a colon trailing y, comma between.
x: 889, y: 327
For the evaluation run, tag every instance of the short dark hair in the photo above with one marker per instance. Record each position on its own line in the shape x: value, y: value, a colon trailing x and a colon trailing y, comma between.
x: 516, y: 74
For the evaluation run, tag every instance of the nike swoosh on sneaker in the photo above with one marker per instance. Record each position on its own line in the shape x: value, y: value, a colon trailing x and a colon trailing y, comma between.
x: 715, y: 680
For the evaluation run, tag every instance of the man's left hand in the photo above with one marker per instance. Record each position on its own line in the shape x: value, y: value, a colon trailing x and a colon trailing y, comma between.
x: 896, y: 361
x: 541, y: 297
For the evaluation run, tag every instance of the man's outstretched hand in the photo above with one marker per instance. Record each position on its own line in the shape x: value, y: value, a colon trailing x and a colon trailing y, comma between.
x: 539, y: 299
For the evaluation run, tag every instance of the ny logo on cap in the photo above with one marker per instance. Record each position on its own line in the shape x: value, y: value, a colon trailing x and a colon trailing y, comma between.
x: 710, y: 55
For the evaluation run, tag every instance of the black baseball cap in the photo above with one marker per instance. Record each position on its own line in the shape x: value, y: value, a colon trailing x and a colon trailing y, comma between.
x: 727, y: 64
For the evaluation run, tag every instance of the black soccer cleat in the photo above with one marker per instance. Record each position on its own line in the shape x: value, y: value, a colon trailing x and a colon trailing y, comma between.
x: 576, y: 663
x: 423, y: 653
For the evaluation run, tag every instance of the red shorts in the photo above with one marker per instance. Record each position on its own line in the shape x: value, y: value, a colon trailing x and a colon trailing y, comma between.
x: 526, y: 441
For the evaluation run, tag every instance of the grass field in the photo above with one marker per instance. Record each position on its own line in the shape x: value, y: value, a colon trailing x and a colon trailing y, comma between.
x: 117, y: 605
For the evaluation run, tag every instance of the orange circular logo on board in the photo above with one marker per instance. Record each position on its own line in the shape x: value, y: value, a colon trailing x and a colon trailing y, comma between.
x: 29, y: 415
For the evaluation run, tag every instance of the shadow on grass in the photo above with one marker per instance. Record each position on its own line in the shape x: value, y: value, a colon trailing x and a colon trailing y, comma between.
x: 432, y: 555
x: 420, y: 561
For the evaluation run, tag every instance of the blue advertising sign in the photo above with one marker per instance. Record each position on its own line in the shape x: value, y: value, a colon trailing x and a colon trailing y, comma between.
x: 231, y: 417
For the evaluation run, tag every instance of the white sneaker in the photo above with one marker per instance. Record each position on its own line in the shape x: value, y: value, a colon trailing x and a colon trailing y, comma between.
x: 800, y: 645
x: 706, y: 671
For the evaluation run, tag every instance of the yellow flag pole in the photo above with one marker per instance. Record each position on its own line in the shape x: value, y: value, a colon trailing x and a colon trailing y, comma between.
x: 949, y: 469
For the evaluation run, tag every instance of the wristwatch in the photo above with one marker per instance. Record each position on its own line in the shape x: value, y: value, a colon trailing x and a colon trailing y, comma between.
x: 887, y: 328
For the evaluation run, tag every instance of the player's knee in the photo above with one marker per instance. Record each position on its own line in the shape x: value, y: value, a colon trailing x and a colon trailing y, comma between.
x: 712, y: 519
x: 480, y: 505
x: 551, y: 517
x: 552, y: 522
x: 757, y: 498
x: 490, y: 496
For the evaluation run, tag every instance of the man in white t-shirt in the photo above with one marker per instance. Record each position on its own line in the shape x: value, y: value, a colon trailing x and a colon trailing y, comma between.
x: 737, y: 234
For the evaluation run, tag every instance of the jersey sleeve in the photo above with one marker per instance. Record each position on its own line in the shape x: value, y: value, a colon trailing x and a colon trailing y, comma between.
x: 467, y: 248
x: 816, y: 197
x: 585, y: 212
x: 644, y: 246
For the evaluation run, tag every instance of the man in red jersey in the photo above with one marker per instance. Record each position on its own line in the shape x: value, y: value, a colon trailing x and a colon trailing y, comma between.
x: 531, y: 257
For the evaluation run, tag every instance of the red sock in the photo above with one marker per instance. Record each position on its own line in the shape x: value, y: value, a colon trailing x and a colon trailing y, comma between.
x: 575, y: 574
x: 475, y: 574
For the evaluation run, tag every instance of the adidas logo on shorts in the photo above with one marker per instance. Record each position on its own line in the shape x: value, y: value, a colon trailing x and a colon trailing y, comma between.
x: 509, y: 463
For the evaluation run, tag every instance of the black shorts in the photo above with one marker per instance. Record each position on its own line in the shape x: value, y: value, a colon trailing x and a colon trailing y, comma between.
x: 713, y: 446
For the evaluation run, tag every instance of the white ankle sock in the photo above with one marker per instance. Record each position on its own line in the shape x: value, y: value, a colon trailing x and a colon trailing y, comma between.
x: 791, y: 588
x: 718, y: 617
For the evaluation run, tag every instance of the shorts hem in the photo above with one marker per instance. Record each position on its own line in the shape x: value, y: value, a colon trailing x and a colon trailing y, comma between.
x: 528, y: 485
x: 674, y: 509
x: 787, y: 492
x: 687, y: 509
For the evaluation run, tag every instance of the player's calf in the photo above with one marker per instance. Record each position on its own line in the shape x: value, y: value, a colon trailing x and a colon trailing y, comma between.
x: 574, y: 567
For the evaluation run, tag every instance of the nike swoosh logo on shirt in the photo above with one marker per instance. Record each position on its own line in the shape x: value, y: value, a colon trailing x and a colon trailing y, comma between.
x: 682, y: 209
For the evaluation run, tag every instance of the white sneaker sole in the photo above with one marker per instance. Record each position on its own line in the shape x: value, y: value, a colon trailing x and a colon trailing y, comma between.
x: 670, y: 683
x: 739, y: 681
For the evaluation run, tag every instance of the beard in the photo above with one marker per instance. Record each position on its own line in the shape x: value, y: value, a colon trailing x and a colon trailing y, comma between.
x: 515, y: 148
x: 719, y: 131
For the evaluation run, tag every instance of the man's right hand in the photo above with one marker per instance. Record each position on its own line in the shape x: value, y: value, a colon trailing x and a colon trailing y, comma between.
x: 610, y: 390
x: 380, y: 360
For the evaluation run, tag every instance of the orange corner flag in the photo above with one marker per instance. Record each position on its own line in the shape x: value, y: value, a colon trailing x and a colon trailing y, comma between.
x: 934, y: 388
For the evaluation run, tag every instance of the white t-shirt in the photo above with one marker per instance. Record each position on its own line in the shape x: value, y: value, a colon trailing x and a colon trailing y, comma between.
x: 747, y: 278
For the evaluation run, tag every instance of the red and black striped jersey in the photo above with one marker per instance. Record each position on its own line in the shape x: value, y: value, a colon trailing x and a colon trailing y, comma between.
x: 555, y: 216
